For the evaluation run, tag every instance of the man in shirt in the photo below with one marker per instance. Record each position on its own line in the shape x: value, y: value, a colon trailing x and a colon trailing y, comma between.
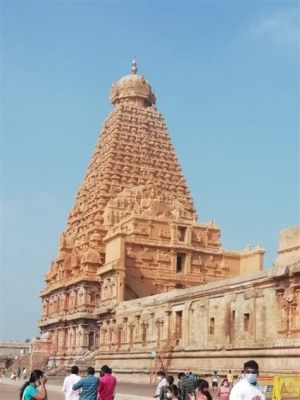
x: 214, y: 381
x: 162, y: 381
x: 230, y: 377
x: 186, y: 386
x: 248, y: 387
x: 107, y: 384
x: 88, y: 385
x: 69, y: 381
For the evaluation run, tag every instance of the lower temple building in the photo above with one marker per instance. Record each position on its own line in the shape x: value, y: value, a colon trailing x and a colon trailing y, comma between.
x: 140, y: 283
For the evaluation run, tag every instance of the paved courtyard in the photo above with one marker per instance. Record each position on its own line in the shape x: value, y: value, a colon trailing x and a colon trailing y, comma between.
x: 9, y: 390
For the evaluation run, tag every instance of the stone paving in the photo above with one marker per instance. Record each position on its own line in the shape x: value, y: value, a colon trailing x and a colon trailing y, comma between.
x: 9, y: 390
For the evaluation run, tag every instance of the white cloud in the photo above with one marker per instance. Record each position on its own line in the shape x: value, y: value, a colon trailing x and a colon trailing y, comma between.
x: 282, y: 26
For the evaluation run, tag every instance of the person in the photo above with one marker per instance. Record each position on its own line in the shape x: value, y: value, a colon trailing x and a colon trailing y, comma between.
x: 175, y: 394
x: 214, y: 381
x: 69, y: 381
x: 29, y: 390
x: 192, y: 376
x: 224, y: 390
x: 230, y: 377
x: 186, y: 386
x: 88, y: 385
x: 24, y: 373
x: 161, y: 381
x: 202, y: 392
x: 19, y: 373
x: 169, y: 391
x: 248, y: 387
x: 107, y: 384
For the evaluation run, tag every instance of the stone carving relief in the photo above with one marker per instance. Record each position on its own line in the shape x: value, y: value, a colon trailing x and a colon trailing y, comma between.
x: 163, y: 256
x: 289, y: 302
x: 108, y: 288
x: 210, y: 262
x: 213, y: 237
x: 145, y: 201
x: 197, y: 260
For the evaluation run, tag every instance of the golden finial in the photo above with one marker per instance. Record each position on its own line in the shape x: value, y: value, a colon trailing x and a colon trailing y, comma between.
x: 134, y: 66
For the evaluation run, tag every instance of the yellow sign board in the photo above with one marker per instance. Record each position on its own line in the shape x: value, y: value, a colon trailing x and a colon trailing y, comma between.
x: 286, y: 387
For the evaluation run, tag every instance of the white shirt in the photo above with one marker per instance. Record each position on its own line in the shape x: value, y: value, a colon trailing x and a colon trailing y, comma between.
x: 243, y: 390
x: 162, y: 383
x: 69, y: 381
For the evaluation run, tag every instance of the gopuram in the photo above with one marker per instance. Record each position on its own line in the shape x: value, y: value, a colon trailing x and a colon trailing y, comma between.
x: 140, y: 283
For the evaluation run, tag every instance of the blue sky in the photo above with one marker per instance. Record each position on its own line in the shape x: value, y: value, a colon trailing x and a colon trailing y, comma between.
x: 226, y: 76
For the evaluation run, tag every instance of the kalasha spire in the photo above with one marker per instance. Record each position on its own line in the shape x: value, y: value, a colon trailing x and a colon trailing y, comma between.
x: 134, y: 66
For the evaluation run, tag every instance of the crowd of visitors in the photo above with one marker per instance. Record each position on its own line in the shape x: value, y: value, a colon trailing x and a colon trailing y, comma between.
x: 188, y: 387
x: 193, y: 387
x: 88, y: 387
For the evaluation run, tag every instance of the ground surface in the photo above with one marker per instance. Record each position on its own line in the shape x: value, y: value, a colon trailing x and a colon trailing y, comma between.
x: 9, y: 390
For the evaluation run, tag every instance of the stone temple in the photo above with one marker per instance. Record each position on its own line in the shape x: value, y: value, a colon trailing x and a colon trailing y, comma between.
x: 139, y: 282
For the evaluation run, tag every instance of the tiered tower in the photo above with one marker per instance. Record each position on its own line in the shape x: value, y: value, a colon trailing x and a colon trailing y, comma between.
x: 133, y: 229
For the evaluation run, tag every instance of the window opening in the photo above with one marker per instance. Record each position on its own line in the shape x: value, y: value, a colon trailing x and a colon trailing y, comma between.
x: 246, y: 321
x: 211, y: 326
x: 180, y: 260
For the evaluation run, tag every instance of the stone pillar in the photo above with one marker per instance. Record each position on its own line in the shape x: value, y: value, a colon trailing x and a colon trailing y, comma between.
x: 188, y: 264
x: 64, y: 339
x: 70, y: 338
x: 173, y: 229
x: 260, y: 320
x: 150, y: 229
x: 158, y: 333
x: 188, y: 237
x: 202, y: 325
x: 45, y: 308
x: 113, y: 327
x: 125, y: 330
x: 80, y: 297
x: 108, y: 333
x: 120, y: 282
x: 100, y: 334
x: 173, y: 260
x: 78, y: 337
x: 67, y: 342
x: 167, y: 331
x: 73, y: 338
x: 151, y: 327
x: 75, y: 299
x: 66, y: 303
x: 137, y: 328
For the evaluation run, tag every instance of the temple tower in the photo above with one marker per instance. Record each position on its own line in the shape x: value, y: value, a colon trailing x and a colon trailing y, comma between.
x: 133, y: 229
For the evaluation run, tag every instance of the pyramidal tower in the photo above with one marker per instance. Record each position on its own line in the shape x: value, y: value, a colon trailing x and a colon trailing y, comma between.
x: 132, y: 231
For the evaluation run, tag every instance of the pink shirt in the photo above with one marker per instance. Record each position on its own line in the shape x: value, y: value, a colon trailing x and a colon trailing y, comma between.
x: 106, y: 387
x: 224, y: 392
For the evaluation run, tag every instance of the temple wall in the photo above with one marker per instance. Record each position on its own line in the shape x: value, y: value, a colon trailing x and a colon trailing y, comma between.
x: 251, y: 261
x: 213, y: 326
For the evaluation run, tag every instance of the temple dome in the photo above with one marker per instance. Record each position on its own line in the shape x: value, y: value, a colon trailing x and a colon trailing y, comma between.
x: 132, y: 88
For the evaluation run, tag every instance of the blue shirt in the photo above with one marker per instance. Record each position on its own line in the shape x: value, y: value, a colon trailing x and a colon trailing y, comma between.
x: 29, y: 392
x: 88, y: 386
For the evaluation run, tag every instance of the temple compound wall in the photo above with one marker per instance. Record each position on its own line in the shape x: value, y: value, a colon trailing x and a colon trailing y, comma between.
x: 212, y: 326
x: 137, y: 272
